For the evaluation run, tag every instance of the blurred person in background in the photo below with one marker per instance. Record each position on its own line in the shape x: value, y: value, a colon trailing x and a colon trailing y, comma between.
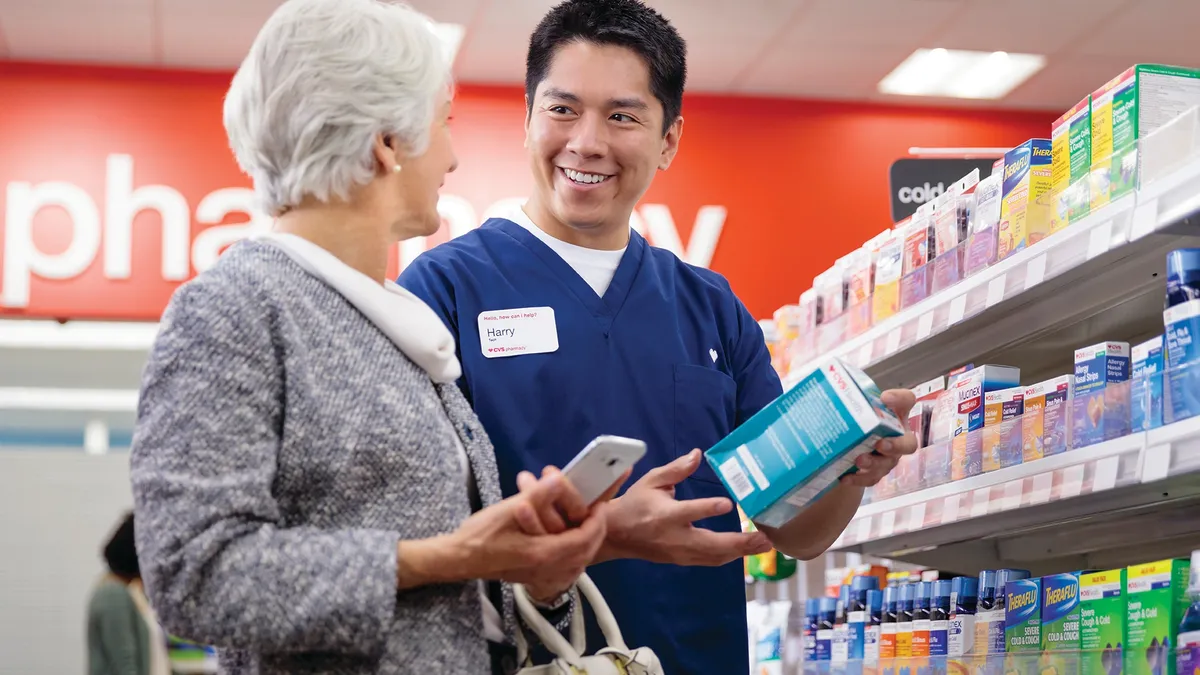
x: 123, y: 635
x: 635, y: 341
x: 313, y: 493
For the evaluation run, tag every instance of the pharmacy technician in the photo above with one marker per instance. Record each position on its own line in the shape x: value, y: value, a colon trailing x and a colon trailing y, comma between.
x: 570, y: 326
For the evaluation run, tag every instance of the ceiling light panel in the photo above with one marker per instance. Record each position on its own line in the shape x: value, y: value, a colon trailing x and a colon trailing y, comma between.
x: 956, y: 73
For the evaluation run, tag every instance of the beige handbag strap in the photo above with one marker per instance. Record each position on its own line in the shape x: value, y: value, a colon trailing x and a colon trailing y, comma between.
x: 571, y: 652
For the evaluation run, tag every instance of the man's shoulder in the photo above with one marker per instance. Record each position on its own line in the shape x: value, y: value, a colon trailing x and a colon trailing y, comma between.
x: 689, y: 278
x: 473, y: 247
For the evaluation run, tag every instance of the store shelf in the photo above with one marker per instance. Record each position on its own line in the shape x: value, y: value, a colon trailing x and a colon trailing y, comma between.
x: 1133, y: 498
x: 1100, y: 278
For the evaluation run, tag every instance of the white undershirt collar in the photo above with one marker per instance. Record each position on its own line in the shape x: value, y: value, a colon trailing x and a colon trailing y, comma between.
x: 594, y: 266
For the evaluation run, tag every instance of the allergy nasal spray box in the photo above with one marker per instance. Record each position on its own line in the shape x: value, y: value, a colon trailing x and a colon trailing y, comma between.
x: 1023, y: 626
x: 1157, y: 597
x: 1071, y: 163
x: 1060, y: 623
x: 1025, y: 206
x: 795, y: 449
x: 1102, y: 613
x: 1101, y: 408
x: 1126, y: 109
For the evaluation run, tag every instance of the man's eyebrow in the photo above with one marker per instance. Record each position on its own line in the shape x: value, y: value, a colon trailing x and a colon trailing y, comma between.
x: 561, y: 94
x: 631, y: 103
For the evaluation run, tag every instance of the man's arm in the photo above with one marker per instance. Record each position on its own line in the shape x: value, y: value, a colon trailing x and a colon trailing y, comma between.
x: 815, y: 529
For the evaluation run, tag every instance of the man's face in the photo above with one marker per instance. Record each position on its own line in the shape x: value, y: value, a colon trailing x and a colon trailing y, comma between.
x: 595, y: 136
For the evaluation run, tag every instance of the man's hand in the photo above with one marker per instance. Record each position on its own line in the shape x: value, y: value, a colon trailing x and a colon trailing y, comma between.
x: 874, y: 466
x: 647, y: 522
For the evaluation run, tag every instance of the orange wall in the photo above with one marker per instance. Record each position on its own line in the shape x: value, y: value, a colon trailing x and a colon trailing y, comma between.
x: 803, y: 182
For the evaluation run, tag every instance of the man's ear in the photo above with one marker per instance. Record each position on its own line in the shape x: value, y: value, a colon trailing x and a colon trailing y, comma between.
x: 528, y: 118
x: 671, y: 144
x: 386, y: 153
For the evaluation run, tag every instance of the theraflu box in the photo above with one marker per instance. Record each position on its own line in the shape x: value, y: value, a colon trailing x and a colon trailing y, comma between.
x: 1146, y: 385
x: 1102, y: 613
x: 795, y: 449
x: 1157, y: 597
x: 1025, y: 207
x: 1060, y: 622
x: 1127, y: 108
x: 1101, y: 408
x: 1023, y: 625
x: 1071, y: 161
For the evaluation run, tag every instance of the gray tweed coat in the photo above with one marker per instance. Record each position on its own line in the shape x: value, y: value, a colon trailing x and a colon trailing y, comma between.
x: 284, y: 446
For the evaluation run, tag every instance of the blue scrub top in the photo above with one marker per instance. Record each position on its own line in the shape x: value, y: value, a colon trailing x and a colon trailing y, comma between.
x: 669, y: 355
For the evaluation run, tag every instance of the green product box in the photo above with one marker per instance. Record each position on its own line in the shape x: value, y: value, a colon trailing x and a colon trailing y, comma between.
x: 1127, y: 108
x: 1157, y: 597
x: 1023, y: 626
x: 1060, y: 623
x: 1071, y: 165
x: 1102, y: 613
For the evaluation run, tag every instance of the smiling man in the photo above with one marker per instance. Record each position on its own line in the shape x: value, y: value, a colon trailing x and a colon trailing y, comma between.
x: 570, y: 326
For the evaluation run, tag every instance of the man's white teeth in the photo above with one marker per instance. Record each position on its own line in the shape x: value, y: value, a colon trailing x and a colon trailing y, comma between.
x: 580, y: 177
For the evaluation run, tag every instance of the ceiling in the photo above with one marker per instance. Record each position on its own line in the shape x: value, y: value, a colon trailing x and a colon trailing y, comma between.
x: 831, y: 49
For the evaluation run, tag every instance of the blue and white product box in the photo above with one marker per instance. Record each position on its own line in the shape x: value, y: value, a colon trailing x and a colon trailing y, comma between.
x: 791, y: 452
x: 1146, y: 390
x: 966, y: 450
x: 1101, y: 408
x: 1183, y: 358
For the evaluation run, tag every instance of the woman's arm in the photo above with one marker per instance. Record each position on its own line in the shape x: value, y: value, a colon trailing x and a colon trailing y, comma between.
x: 117, y: 629
x: 218, y: 562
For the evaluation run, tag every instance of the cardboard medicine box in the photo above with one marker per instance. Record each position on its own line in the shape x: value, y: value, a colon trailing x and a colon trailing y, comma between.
x: 1060, y: 622
x: 1102, y: 614
x: 794, y: 450
x: 1127, y: 108
x: 1101, y: 407
x: 1045, y: 425
x: 1071, y: 163
x: 1025, y: 206
x: 1146, y: 389
x: 1156, y: 594
x: 968, y: 392
x: 1023, y: 626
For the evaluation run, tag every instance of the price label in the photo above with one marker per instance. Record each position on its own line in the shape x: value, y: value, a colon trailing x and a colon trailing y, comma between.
x: 1072, y: 484
x: 916, y: 517
x: 980, y: 500
x: 1106, y: 474
x: 1145, y: 219
x: 958, y: 309
x: 864, y: 354
x: 924, y: 326
x: 1013, y: 490
x: 887, y: 524
x: 864, y: 529
x: 950, y: 509
x: 1099, y: 239
x: 1156, y: 464
x: 1043, y: 484
x: 1035, y: 271
x: 995, y: 291
x: 893, y: 342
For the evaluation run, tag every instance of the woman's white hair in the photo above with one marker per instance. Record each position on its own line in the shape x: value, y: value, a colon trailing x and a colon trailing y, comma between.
x: 322, y: 80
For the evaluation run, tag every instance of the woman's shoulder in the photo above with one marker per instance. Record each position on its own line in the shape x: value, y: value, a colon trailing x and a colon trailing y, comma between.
x: 108, y: 594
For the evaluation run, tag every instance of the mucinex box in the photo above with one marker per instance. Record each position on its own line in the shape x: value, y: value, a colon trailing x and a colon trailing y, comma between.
x: 1146, y: 385
x: 1102, y: 622
x: 795, y: 449
x: 1101, y: 408
x: 1071, y: 162
x: 1127, y: 108
x: 968, y: 391
x: 1025, y: 206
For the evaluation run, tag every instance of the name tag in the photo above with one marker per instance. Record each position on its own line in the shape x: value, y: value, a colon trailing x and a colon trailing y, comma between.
x: 513, y: 332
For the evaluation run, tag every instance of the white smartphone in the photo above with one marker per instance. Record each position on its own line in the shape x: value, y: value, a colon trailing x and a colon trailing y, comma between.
x: 601, y: 463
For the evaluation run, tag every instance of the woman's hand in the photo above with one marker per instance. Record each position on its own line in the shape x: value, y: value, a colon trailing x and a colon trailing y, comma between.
x: 506, y: 541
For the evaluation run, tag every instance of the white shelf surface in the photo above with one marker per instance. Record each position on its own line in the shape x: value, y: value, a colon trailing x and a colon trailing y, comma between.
x: 1100, y: 277
x: 1089, y: 507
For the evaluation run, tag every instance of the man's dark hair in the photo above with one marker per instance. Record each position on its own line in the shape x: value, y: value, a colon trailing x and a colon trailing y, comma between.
x: 624, y: 23
x: 120, y: 553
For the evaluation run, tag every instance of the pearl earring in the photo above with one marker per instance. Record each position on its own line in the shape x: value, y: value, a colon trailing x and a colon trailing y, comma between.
x: 395, y: 168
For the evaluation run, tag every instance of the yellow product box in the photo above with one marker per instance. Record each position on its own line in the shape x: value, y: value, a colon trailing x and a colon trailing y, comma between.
x: 889, y: 267
x: 1025, y: 206
x: 1071, y: 163
x: 1126, y: 109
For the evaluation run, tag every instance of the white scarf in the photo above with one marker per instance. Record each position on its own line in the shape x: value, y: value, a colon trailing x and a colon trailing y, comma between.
x: 402, y: 316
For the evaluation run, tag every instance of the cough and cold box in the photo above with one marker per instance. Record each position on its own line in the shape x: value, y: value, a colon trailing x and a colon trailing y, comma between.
x: 795, y: 449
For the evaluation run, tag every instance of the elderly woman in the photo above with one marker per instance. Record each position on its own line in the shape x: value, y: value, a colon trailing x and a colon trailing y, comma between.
x: 313, y: 493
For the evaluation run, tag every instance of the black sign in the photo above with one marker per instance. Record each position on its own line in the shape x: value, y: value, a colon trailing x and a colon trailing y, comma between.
x: 913, y: 182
